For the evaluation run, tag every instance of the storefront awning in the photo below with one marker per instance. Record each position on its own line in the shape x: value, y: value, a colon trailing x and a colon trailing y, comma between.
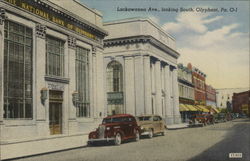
x: 191, y: 107
x: 202, y: 108
x: 183, y: 108
x: 215, y: 109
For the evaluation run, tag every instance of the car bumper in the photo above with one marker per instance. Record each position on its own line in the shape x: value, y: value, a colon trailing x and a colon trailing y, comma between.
x: 145, y: 133
x: 101, y: 140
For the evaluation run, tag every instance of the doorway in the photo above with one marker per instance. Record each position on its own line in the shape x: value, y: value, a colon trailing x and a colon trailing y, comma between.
x: 55, y: 112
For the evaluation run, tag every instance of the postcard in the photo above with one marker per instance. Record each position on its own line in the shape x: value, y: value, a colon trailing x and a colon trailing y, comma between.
x: 124, y: 80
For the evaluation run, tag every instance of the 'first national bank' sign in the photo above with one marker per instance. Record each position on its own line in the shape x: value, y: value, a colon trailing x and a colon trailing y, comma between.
x: 53, y: 15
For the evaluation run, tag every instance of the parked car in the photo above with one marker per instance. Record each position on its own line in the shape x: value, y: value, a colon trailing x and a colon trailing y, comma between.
x: 220, y: 117
x: 201, y: 119
x: 242, y: 115
x: 116, y: 129
x: 151, y: 125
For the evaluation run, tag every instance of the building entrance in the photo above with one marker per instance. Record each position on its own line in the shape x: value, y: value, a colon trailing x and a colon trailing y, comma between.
x: 55, y: 112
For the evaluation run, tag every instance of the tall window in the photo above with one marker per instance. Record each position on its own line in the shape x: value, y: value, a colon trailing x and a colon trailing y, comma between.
x: 17, y: 71
x: 115, y: 88
x: 114, y: 77
x: 54, y: 57
x: 82, y: 82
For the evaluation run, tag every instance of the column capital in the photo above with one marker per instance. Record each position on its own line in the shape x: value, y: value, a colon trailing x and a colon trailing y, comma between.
x: 41, y: 31
x: 3, y: 16
x: 94, y: 49
x: 172, y: 68
x: 72, y: 42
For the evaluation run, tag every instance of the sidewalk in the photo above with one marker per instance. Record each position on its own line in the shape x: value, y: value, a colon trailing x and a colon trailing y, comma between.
x: 177, y: 126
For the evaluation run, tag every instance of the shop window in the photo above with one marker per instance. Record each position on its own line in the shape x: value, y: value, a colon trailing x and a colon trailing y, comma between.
x: 54, y: 56
x: 82, y: 82
x: 17, y: 71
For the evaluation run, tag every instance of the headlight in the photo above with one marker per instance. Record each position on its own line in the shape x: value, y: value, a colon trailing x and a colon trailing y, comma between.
x: 108, y: 128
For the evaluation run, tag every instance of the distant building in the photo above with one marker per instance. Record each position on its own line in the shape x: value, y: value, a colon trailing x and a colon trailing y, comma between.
x: 186, y: 87
x: 198, y: 78
x: 186, y: 91
x: 241, y: 102
x: 210, y: 96
x: 224, y: 96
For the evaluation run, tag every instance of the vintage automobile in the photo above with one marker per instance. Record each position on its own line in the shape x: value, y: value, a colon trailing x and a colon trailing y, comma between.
x: 151, y: 125
x: 116, y: 129
x: 201, y: 119
x: 220, y: 117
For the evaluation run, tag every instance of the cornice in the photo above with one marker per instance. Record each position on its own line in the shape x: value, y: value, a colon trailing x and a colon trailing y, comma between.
x: 67, y: 14
x: 141, y: 39
x: 75, y: 17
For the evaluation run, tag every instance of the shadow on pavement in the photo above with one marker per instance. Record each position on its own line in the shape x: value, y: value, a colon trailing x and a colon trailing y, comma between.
x: 236, y: 141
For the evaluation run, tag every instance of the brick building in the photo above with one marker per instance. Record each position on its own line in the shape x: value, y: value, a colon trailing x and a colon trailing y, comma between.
x: 210, y: 96
x: 241, y: 102
x: 198, y: 79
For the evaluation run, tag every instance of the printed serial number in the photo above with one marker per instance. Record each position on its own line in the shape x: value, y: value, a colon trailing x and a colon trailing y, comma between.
x: 235, y: 155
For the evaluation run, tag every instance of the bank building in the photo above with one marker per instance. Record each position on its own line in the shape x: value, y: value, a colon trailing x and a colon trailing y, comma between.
x: 62, y: 70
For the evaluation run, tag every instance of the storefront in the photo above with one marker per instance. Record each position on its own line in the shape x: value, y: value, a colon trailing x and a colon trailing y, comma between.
x: 51, y: 52
x: 141, y: 70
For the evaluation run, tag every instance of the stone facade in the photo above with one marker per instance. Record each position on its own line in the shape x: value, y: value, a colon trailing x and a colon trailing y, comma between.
x: 149, y: 65
x: 52, y: 96
x: 68, y: 83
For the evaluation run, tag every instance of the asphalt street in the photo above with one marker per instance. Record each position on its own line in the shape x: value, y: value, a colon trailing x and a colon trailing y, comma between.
x: 209, y: 143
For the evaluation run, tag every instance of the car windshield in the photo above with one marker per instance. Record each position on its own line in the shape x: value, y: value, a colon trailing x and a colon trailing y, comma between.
x: 144, y: 118
x: 106, y: 120
x: 115, y: 119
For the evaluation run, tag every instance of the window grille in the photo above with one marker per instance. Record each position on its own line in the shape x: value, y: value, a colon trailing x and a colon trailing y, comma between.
x: 54, y: 56
x: 82, y: 82
x: 17, y: 71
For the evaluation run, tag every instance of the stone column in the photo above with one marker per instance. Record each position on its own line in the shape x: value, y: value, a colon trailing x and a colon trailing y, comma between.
x: 2, y: 19
x: 153, y: 91
x: 72, y: 84
x: 147, y: 85
x: 168, y: 86
x: 129, y: 85
x: 139, y: 85
x: 176, y: 111
x: 94, y: 94
x: 90, y: 87
x: 101, y: 100
x: 40, y: 66
x: 158, y: 87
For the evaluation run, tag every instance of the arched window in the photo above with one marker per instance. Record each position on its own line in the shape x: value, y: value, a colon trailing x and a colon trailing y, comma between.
x: 115, y: 88
x: 114, y: 77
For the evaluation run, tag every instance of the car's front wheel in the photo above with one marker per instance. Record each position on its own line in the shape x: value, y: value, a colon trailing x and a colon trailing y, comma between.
x: 163, y: 133
x: 150, y: 133
x: 118, y: 139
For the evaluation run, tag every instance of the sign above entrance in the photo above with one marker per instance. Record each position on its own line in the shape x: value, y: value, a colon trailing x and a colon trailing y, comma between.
x: 54, y: 15
x: 55, y: 86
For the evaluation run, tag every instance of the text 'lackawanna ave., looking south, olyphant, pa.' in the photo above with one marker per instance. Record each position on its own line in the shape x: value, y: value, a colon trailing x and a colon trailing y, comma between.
x: 180, y: 9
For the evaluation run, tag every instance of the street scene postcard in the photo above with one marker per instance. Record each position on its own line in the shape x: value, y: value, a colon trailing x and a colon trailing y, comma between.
x: 124, y: 80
